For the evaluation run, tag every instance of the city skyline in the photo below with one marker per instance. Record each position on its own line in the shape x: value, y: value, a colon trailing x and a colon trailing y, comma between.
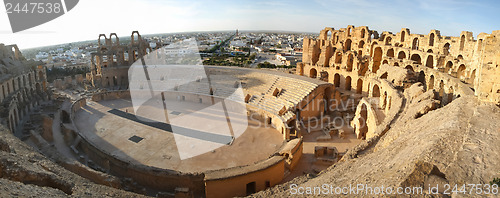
x: 154, y: 16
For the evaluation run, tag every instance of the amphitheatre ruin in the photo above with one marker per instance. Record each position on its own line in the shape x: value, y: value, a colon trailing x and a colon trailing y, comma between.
x: 363, y: 107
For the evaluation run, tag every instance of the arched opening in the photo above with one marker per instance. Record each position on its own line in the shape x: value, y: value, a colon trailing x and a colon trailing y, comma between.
x: 361, y: 44
x: 461, y: 72
x: 388, y: 40
x: 363, y: 116
x: 431, y: 39
x: 480, y: 45
x: 402, y: 36
x: 385, y: 62
x: 324, y: 76
x: 350, y: 61
x: 430, y: 61
x: 416, y: 58
x: 338, y: 58
x: 414, y: 45
x: 348, y: 83
x: 363, y: 33
x: 446, y: 49
x: 441, y: 92
x: 396, y: 64
x: 431, y: 83
x: 347, y: 45
x: 460, y: 57
x: 336, y: 80
x: 359, y: 86
x: 449, y: 66
x: 421, y: 78
x: 430, y: 51
x: 313, y: 73
x: 401, y: 55
x: 462, y: 42
x: 375, y: 91
x: 377, y: 58
x: 390, y: 53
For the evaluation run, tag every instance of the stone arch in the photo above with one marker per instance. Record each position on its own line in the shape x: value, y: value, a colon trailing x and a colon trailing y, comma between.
x: 430, y: 61
x: 416, y: 58
x: 376, y: 59
x: 376, y: 91
x: 409, y: 67
x: 117, y: 40
x: 403, y: 34
x: 449, y: 66
x: 363, y: 32
x: 336, y: 80
x: 430, y: 85
x: 396, y: 64
x: 441, y: 91
x: 324, y: 76
x: 414, y: 45
x: 350, y: 61
x: 421, y: 78
x: 431, y: 39
x: 461, y: 71
x: 446, y: 49
x: 338, y: 58
x: 401, y: 55
x: 388, y: 40
x: 385, y: 62
x: 361, y: 44
x: 359, y: 86
x: 313, y: 73
x: 430, y: 51
x: 462, y: 42
x: 390, y: 53
x: 347, y: 45
x: 460, y: 57
x: 348, y: 80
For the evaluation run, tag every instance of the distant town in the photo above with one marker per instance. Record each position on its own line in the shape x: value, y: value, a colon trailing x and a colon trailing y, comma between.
x: 226, y: 48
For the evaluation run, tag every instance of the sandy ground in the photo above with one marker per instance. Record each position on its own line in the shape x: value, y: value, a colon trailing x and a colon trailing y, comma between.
x: 158, y: 148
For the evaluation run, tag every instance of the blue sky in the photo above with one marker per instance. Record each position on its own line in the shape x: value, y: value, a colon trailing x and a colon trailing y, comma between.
x: 92, y: 17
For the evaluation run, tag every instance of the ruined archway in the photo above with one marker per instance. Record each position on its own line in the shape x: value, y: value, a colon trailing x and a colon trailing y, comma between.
x: 347, y: 45
x: 401, y: 55
x: 377, y: 58
x: 416, y: 58
x: 338, y: 58
x: 375, y: 91
x: 431, y: 83
x: 350, y: 61
x: 414, y: 45
x: 359, y: 86
x: 462, y: 42
x: 390, y: 53
x: 449, y: 66
x: 430, y: 61
x: 336, y: 80
x: 388, y: 40
x: 461, y: 72
x: 348, y: 80
x: 431, y: 39
x: 472, y: 77
x: 421, y: 78
x: 446, y: 49
x: 313, y: 73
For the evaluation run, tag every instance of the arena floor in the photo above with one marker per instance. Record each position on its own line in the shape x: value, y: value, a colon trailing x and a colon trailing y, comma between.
x: 115, y: 134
